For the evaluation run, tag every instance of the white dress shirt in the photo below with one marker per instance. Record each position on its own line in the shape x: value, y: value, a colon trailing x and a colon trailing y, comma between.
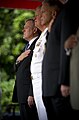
x: 31, y: 41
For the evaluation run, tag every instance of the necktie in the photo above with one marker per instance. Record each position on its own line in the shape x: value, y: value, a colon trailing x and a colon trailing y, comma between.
x: 46, y: 38
x: 47, y: 35
x: 27, y: 45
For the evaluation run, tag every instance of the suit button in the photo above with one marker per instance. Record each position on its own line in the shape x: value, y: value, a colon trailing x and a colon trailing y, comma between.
x: 35, y: 55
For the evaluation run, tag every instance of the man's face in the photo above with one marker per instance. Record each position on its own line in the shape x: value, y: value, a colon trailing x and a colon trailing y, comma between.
x: 46, y: 14
x: 28, y: 30
x: 38, y: 17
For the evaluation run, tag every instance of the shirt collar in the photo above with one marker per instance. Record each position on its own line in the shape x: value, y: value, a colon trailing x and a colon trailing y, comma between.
x: 44, y: 32
x: 31, y: 41
x: 63, y: 1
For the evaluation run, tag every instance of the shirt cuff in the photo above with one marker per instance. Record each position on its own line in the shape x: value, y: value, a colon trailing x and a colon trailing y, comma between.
x: 17, y: 62
x: 68, y: 51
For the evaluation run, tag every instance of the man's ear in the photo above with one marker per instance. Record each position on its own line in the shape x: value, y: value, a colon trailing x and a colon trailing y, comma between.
x: 35, y: 29
x: 54, y: 14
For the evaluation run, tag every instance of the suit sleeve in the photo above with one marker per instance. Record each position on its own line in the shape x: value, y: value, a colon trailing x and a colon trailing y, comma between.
x: 31, y: 90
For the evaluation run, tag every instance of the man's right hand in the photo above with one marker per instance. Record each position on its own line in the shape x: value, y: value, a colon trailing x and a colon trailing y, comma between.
x: 23, y: 55
x: 71, y: 42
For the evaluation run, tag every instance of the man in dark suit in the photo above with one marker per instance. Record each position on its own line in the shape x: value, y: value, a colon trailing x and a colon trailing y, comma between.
x: 55, y: 69
x: 23, y: 77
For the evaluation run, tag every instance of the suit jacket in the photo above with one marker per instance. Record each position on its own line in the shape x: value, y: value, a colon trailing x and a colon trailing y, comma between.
x: 23, y: 77
x: 55, y: 68
x: 74, y: 78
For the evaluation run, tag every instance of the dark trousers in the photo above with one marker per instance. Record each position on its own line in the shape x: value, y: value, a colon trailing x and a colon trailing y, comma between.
x: 75, y: 114
x: 28, y: 113
x: 49, y: 108
x: 58, y: 107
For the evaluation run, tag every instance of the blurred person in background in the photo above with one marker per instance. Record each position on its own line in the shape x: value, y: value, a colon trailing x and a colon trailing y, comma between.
x: 72, y: 49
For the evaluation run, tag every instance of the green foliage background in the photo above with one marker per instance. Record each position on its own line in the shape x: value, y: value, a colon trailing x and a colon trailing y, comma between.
x: 11, y: 43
